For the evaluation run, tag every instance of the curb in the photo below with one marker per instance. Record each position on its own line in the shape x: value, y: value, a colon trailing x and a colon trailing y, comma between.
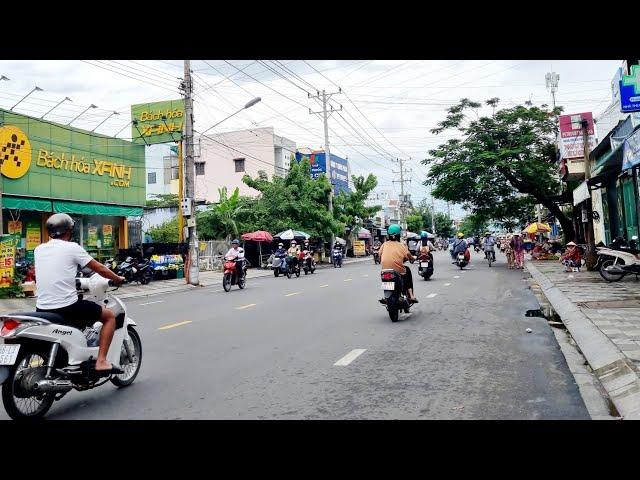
x: 612, y: 368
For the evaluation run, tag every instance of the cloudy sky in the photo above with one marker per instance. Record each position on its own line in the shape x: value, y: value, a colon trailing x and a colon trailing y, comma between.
x: 388, y: 106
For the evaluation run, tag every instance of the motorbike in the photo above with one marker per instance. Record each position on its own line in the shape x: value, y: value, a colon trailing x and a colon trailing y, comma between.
x: 279, y: 266
x: 477, y: 248
x: 394, y: 295
x: 309, y: 264
x: 134, y: 271
x: 461, y: 260
x: 376, y: 255
x: 232, y: 276
x: 111, y: 264
x: 425, y: 265
x: 43, y: 359
x: 615, y: 263
x: 293, y: 266
x: 337, y: 258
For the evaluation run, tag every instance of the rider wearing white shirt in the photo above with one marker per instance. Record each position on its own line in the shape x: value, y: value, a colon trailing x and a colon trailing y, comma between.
x: 236, y: 253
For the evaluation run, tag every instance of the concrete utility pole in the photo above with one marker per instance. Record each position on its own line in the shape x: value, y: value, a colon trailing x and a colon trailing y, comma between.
x: 326, y: 112
x: 590, y: 256
x: 403, y: 198
x: 433, y: 213
x: 189, y: 181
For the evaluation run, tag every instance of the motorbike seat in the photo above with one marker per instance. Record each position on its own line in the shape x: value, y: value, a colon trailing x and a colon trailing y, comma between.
x: 48, y: 316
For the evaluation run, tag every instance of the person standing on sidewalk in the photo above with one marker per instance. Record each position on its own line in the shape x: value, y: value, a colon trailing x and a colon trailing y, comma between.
x: 517, y: 245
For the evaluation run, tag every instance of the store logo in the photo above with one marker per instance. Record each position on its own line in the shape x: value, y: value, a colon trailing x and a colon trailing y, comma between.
x: 15, y: 152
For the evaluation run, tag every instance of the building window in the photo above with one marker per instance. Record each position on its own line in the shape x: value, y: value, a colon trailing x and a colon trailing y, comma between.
x: 171, y: 170
x: 199, y: 168
x: 151, y: 178
x: 239, y: 164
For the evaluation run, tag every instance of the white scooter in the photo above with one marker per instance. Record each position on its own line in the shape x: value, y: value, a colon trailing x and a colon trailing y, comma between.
x: 615, y: 264
x: 41, y: 359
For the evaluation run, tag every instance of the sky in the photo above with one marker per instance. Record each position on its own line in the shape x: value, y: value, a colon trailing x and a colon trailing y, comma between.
x: 387, y: 106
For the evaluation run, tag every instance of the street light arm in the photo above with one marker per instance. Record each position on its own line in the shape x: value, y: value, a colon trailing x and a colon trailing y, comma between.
x: 247, y: 105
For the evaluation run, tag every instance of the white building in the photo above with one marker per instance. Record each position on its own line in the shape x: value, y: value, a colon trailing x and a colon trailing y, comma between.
x: 161, y: 169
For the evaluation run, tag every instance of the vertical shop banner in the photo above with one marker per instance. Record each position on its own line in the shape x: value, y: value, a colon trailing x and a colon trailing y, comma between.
x: 358, y: 248
x: 92, y: 235
x: 7, y: 255
x: 630, y: 90
x: 572, y: 144
x: 107, y: 236
x: 33, y: 236
x: 158, y: 122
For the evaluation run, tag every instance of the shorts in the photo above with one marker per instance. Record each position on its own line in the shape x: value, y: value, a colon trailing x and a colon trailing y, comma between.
x: 79, y: 315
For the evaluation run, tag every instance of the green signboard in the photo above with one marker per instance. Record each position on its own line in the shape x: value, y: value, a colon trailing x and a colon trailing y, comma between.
x: 158, y: 122
x: 52, y: 161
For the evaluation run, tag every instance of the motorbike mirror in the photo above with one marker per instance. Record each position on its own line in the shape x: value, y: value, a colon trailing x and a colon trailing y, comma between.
x: 635, y: 237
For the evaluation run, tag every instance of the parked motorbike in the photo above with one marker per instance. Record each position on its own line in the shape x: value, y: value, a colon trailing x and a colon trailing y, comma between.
x: 309, y: 264
x: 232, y: 276
x: 42, y: 359
x: 394, y: 295
x: 279, y: 266
x: 425, y: 265
x: 337, y: 258
x: 134, y: 271
x: 614, y: 264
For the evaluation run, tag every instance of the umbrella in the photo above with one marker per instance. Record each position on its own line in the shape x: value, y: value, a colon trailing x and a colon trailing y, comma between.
x: 291, y: 234
x: 341, y: 241
x: 258, y: 236
x: 538, y: 227
x: 411, y: 235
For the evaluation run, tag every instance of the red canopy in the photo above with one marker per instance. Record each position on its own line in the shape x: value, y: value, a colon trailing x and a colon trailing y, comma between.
x: 259, y: 236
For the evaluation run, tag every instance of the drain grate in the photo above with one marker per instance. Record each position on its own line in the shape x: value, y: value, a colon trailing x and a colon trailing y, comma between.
x: 611, y: 304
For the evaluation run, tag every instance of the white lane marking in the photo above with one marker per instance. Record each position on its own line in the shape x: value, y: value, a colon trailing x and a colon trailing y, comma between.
x: 246, y: 306
x: 349, y: 357
x: 323, y: 286
x: 447, y: 284
x: 456, y: 276
x: 348, y: 279
x: 292, y: 294
x: 431, y: 295
x: 174, y: 325
x: 149, y: 303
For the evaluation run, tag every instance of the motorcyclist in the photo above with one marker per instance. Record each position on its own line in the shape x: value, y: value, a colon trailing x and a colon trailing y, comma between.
x: 488, y: 244
x: 236, y: 253
x: 57, y: 262
x: 281, y: 253
x: 459, y: 246
x: 393, y: 254
x: 293, y: 254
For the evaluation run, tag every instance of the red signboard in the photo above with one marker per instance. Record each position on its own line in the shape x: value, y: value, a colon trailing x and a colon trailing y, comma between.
x: 572, y: 144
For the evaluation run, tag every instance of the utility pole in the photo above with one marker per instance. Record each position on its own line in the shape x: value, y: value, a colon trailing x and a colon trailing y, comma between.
x: 590, y: 256
x: 433, y: 213
x: 189, y: 181
x: 327, y: 149
x: 403, y: 198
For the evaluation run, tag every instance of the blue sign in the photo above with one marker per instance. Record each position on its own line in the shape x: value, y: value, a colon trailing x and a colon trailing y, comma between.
x: 630, y: 91
x: 339, y: 169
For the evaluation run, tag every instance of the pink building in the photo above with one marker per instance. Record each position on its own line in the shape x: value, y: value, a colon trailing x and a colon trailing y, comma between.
x: 226, y: 157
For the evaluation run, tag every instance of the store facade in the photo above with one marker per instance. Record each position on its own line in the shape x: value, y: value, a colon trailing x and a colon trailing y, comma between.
x: 49, y: 168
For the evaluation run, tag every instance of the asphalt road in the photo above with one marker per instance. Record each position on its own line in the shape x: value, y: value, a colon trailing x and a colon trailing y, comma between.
x: 269, y: 352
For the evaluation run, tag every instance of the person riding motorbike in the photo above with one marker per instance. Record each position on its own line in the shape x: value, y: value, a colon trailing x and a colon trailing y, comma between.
x: 393, y: 254
x: 459, y: 246
x: 427, y: 241
x: 57, y: 263
x: 488, y: 243
x: 292, y: 255
x: 236, y: 253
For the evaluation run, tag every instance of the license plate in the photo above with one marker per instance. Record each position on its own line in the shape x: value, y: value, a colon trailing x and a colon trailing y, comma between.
x: 424, y: 264
x: 8, y: 354
x: 388, y: 286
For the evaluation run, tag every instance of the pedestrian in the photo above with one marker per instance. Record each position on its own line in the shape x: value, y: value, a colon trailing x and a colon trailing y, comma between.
x: 571, y: 259
x: 508, y: 251
x: 518, y: 250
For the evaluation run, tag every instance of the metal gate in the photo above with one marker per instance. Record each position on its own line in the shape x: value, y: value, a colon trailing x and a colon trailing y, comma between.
x: 135, y: 232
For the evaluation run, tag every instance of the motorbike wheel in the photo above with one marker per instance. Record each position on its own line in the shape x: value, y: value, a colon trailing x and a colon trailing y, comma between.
x: 146, y: 278
x: 298, y: 273
x: 394, y: 314
x: 242, y: 282
x: 226, y: 282
x: 130, y: 369
x: 608, y: 276
x: 288, y: 273
x: 276, y: 272
x: 306, y: 271
x: 33, y: 407
x: 490, y: 260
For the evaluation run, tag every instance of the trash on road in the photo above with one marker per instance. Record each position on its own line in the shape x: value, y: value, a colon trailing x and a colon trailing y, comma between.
x: 529, y: 330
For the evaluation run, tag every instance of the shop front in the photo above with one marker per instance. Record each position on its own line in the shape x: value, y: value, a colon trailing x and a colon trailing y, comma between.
x: 50, y: 168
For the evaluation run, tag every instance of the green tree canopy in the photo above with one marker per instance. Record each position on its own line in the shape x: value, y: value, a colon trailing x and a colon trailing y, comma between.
x: 222, y: 220
x: 163, y: 200
x: 165, y: 233
x: 502, y: 157
x: 349, y: 207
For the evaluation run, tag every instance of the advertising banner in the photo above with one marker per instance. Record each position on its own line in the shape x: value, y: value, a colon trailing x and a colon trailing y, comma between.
x: 15, y: 227
x: 631, y: 152
x: 571, y: 141
x: 158, y: 122
x: 107, y: 236
x: 33, y: 236
x: 92, y: 235
x: 630, y: 91
x: 358, y: 248
x: 7, y: 255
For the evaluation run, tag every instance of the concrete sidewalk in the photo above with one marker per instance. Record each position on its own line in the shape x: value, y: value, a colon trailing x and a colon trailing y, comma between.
x: 158, y: 287
x: 604, y: 320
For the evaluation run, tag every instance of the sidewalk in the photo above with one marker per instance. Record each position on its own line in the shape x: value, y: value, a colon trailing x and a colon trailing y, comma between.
x: 604, y: 320
x: 135, y: 290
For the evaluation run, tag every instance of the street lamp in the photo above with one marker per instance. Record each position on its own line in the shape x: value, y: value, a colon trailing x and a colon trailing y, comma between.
x: 247, y: 105
x: 82, y: 113
x: 110, y: 115
x: 35, y: 89
x: 56, y: 106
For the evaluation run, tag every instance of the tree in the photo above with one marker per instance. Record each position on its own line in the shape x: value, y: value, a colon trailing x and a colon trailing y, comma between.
x: 349, y: 207
x: 415, y: 222
x: 473, y: 225
x: 220, y: 220
x: 503, y: 157
x: 165, y: 233
x: 163, y: 200
x: 443, y: 225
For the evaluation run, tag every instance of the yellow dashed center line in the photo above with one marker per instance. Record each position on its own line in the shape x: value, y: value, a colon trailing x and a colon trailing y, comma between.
x: 323, y: 286
x: 246, y: 306
x: 173, y: 325
x: 292, y: 294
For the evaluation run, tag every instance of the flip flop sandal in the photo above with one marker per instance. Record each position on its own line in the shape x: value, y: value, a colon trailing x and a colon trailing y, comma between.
x: 112, y: 371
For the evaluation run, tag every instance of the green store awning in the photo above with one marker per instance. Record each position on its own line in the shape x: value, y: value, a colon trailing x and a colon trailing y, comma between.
x: 24, y: 203
x: 95, y: 209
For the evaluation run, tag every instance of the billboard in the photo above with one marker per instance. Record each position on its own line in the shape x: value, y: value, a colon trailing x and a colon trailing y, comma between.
x: 571, y: 142
x: 158, y: 122
x: 630, y: 90
x: 53, y: 161
x: 339, y: 168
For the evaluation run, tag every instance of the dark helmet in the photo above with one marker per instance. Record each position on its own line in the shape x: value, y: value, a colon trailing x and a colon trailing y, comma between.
x: 235, y: 242
x: 58, y: 224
